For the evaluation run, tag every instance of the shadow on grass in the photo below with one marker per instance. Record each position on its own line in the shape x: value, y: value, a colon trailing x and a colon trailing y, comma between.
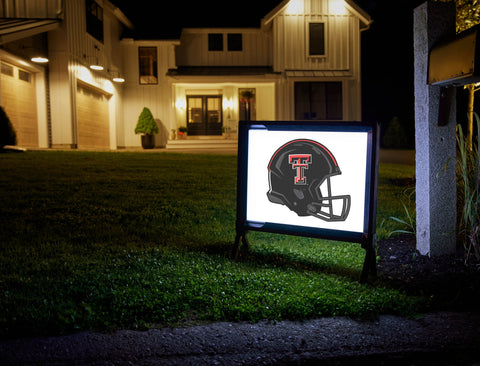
x: 276, y: 260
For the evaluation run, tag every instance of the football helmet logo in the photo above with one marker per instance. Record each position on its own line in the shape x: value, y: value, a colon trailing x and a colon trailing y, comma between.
x: 299, y: 175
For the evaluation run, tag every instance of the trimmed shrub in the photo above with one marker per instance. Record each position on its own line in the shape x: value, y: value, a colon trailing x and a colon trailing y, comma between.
x: 146, y: 123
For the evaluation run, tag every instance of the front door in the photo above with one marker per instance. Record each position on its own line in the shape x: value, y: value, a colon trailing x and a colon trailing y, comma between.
x: 204, y: 115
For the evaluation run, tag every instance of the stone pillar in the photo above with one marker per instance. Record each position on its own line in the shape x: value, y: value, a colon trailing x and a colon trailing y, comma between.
x: 435, y: 145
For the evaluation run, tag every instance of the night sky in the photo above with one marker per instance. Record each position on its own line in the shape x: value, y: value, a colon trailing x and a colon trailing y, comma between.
x: 387, y: 47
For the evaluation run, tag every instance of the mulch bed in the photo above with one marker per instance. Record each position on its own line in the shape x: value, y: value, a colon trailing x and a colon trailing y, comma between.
x: 446, y: 282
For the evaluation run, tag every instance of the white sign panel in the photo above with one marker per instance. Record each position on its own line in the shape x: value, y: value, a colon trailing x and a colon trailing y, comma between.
x: 307, y: 178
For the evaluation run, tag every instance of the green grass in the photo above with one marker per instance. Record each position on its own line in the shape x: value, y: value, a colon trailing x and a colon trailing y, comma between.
x: 99, y: 241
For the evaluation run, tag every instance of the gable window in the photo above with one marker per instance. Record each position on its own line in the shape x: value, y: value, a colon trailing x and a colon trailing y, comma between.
x: 147, y: 65
x: 94, y: 16
x: 234, y: 41
x: 215, y: 42
x: 316, y: 39
x: 318, y: 101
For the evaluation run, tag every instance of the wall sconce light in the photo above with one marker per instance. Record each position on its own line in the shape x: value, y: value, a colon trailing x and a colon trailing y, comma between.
x: 181, y: 104
x: 39, y: 59
x: 96, y: 64
x: 36, y: 49
x: 97, y: 67
x: 116, y: 77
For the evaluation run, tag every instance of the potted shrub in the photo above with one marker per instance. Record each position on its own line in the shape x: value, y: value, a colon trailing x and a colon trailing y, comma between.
x: 148, y: 127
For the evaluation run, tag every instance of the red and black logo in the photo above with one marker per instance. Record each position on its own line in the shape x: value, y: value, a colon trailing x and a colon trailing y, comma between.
x: 299, y: 177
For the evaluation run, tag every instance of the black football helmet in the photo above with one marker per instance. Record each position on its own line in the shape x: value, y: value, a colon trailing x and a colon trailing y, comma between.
x: 299, y: 175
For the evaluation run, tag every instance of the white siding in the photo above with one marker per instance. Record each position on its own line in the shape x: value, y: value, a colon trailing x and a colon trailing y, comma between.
x: 291, y: 33
x: 341, y: 61
x: 72, y: 50
x: 193, y: 48
x: 156, y: 97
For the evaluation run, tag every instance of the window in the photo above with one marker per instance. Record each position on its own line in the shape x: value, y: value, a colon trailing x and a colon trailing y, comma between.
x: 247, y: 105
x: 234, y: 41
x: 24, y: 75
x: 318, y: 101
x: 7, y: 69
x: 147, y: 64
x: 215, y: 42
x: 94, y: 19
x: 316, y: 45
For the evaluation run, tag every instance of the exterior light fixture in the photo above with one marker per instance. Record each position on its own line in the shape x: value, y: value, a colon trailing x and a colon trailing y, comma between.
x: 96, y: 66
x: 39, y: 59
x: 116, y: 77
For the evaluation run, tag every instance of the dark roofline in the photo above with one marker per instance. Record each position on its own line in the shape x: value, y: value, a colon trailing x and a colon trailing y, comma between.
x: 220, y: 71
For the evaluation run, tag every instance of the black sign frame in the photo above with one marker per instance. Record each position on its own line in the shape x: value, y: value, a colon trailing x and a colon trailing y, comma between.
x: 367, y: 238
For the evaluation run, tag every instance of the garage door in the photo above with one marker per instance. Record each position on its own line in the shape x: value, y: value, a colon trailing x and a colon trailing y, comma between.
x: 92, y: 119
x: 19, y: 102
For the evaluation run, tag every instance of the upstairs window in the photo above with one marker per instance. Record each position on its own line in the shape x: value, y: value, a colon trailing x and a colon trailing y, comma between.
x: 94, y: 17
x: 235, y: 42
x: 316, y: 39
x: 215, y: 42
x: 147, y: 65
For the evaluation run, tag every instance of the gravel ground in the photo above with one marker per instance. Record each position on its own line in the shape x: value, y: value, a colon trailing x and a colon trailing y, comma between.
x: 449, y: 335
x: 433, y: 339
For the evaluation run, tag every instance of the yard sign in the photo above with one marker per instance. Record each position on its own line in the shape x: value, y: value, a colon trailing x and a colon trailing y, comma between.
x: 313, y: 179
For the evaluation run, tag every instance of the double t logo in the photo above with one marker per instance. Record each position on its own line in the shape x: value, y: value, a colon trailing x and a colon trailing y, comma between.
x: 300, y: 162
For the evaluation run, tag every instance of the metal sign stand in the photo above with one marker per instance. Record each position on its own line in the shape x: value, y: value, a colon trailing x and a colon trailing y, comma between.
x: 241, y: 244
x: 370, y: 262
x: 367, y: 239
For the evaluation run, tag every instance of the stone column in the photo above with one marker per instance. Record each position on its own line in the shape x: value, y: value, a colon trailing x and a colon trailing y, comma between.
x: 435, y: 145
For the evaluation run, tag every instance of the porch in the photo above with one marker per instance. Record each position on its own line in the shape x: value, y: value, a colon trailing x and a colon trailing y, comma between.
x: 203, y: 144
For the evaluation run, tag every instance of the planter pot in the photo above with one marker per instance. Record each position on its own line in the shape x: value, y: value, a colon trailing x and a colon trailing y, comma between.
x: 148, y: 141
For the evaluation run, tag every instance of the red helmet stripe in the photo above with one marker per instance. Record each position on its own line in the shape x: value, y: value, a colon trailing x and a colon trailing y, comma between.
x: 303, y: 140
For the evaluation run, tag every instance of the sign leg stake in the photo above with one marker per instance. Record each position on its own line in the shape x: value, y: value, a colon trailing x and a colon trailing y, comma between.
x: 241, y: 244
x: 370, y: 263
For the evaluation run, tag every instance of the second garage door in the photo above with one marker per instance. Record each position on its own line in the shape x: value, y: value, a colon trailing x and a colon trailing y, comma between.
x: 92, y: 119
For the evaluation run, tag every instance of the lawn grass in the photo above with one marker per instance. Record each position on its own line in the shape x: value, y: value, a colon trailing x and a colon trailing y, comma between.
x: 107, y: 240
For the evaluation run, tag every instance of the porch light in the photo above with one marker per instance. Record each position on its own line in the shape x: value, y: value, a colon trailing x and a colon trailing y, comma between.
x: 118, y: 79
x: 227, y: 103
x: 181, y: 104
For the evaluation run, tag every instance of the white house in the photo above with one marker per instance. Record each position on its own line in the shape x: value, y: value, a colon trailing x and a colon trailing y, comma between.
x: 302, y: 63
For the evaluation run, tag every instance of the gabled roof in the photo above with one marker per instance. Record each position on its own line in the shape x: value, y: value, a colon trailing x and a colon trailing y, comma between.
x: 365, y: 19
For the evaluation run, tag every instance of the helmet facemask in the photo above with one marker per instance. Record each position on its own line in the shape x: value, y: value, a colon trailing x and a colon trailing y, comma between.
x: 299, y: 178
